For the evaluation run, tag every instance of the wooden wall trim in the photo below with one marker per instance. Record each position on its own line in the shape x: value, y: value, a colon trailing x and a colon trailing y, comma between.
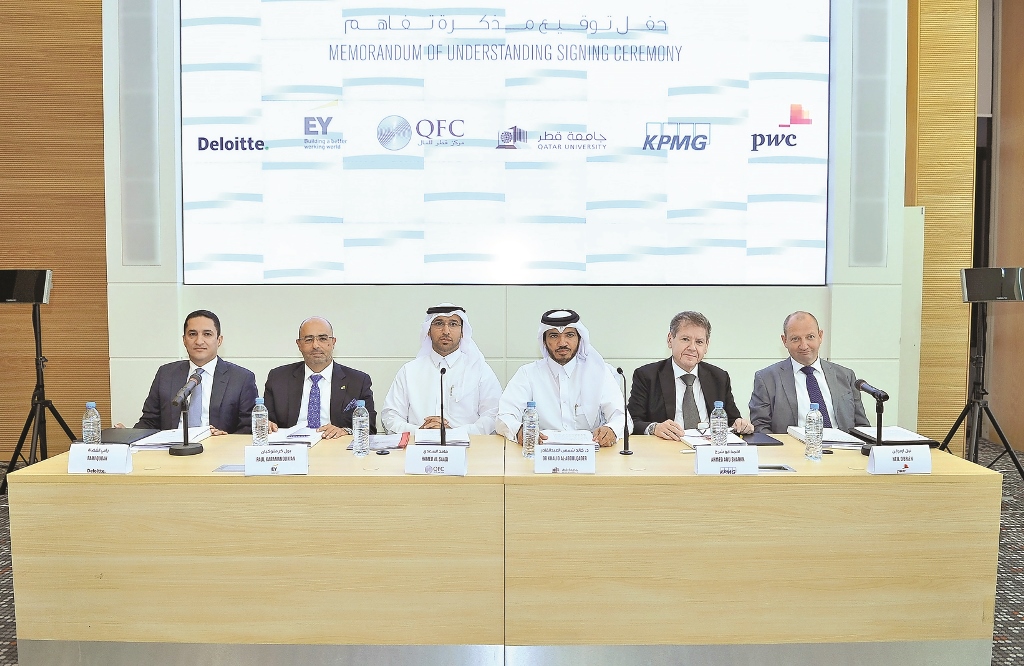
x: 942, y: 80
x: 52, y: 191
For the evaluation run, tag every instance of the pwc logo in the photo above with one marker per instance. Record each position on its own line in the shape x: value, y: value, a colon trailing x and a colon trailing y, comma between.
x: 677, y: 136
x: 798, y: 115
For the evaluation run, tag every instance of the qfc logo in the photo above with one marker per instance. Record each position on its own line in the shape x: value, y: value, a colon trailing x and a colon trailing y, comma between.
x: 394, y: 132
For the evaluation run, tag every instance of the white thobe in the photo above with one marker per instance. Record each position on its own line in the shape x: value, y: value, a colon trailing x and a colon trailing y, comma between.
x: 471, y: 393
x: 557, y: 390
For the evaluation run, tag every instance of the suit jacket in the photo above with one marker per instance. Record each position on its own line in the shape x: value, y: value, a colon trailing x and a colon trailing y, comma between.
x: 652, y: 398
x: 283, y: 394
x: 773, y: 406
x: 231, y: 402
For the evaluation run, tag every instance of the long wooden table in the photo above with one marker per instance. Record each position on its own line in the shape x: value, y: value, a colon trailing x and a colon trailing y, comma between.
x: 503, y: 565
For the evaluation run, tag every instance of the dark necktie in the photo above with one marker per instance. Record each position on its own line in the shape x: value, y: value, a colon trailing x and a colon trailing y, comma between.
x: 313, y: 411
x: 691, y: 417
x: 195, y: 405
x: 814, y: 393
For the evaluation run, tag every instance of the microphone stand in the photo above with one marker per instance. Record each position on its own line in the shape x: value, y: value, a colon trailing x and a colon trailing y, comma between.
x: 186, y: 448
x: 443, y: 443
x: 625, y: 416
x: 865, y: 448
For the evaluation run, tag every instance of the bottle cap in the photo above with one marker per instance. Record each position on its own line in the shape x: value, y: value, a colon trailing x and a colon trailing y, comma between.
x: 90, y: 405
x: 360, y: 403
x: 719, y: 404
x: 259, y: 401
x: 531, y: 404
x: 814, y: 406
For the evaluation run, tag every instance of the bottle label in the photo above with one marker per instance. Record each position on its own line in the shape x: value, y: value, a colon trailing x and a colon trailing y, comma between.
x: 276, y: 460
x: 565, y: 459
x: 100, y: 459
x: 436, y: 460
x: 726, y: 460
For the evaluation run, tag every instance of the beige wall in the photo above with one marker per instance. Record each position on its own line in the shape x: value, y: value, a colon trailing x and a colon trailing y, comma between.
x: 52, y: 215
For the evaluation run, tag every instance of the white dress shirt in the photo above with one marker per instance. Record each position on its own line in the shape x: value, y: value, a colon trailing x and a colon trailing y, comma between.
x: 557, y: 391
x: 325, y: 394
x: 471, y: 394
x: 803, y: 401
x: 208, y: 370
x: 698, y: 394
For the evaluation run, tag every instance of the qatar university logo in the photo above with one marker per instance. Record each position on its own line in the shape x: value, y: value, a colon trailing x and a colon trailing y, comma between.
x: 394, y: 132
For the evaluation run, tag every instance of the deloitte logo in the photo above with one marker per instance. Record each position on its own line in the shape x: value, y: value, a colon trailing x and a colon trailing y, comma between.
x: 394, y: 132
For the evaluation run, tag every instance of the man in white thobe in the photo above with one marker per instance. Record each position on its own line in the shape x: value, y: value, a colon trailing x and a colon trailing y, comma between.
x: 471, y: 389
x: 572, y: 385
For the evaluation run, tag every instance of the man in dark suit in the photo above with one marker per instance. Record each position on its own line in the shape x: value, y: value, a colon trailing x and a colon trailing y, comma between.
x: 224, y: 398
x: 679, y: 392
x: 784, y: 391
x: 318, y: 392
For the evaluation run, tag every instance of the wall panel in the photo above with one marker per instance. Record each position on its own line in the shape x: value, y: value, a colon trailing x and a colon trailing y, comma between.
x: 52, y: 212
x: 1005, y: 362
x: 941, y: 116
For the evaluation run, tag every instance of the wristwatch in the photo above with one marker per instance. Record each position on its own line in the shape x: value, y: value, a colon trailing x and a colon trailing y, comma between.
x: 650, y: 429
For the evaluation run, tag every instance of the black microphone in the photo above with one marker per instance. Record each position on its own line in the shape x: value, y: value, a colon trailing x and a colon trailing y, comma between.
x: 443, y: 370
x: 877, y: 394
x: 625, y: 415
x: 187, y: 389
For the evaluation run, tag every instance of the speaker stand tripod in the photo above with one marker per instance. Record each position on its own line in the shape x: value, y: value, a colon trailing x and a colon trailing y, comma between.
x: 977, y: 409
x: 37, y: 414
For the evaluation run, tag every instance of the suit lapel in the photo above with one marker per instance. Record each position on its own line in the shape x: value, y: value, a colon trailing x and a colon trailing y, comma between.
x: 338, y: 392
x: 789, y: 385
x: 667, y: 379
x: 220, y: 385
x: 708, y: 386
x: 834, y: 389
x: 295, y: 392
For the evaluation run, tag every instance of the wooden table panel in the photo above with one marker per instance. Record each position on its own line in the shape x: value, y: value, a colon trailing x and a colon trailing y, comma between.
x: 645, y: 552
x: 177, y: 553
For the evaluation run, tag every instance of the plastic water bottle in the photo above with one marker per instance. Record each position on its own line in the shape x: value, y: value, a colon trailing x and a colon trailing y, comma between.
x: 812, y: 433
x: 531, y: 429
x: 719, y: 425
x: 360, y: 430
x: 91, y: 426
x: 260, y: 424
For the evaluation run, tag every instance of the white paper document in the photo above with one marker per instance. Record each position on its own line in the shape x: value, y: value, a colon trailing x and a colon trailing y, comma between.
x: 892, y: 434
x: 693, y: 437
x: 297, y: 434
x: 832, y: 437
x: 163, y: 439
x: 453, y: 436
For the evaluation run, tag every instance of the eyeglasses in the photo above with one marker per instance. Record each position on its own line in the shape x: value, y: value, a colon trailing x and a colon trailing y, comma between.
x: 438, y: 324
x: 322, y: 339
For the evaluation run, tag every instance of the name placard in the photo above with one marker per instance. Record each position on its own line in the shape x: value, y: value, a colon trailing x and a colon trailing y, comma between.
x: 276, y: 460
x: 101, y: 459
x: 726, y: 460
x: 565, y: 459
x: 900, y: 459
x: 435, y: 460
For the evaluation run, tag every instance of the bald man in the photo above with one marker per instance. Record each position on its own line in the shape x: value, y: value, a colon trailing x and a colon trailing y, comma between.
x: 784, y: 391
x: 317, y: 392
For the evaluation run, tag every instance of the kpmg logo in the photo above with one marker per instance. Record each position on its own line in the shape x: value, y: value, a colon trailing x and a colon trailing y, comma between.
x: 394, y: 132
x: 677, y: 136
x: 508, y: 139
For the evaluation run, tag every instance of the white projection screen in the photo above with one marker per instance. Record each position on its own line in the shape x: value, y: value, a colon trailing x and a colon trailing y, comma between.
x: 557, y: 142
